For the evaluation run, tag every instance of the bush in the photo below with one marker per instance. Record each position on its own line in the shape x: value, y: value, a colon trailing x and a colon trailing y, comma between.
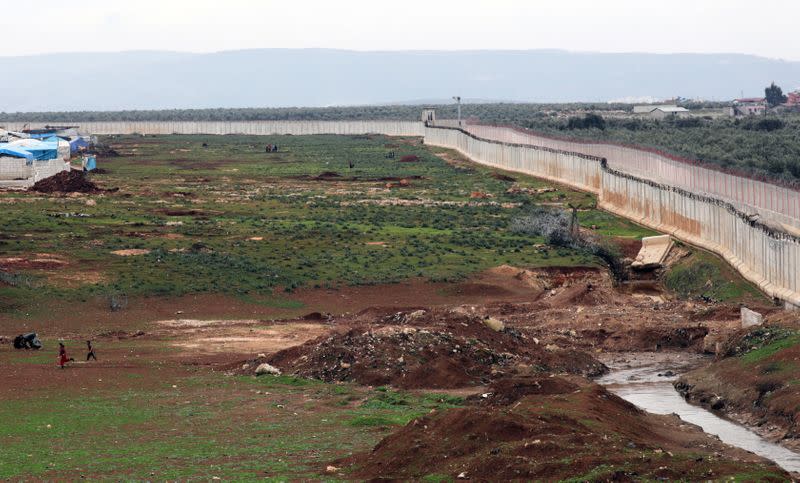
x: 768, y: 125
x: 554, y: 226
x: 589, y: 121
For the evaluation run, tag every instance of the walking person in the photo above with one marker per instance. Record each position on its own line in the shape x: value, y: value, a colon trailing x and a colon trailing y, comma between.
x: 62, y: 355
x: 90, y: 354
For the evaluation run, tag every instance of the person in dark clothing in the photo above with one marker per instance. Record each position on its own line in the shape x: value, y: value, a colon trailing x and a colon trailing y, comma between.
x: 90, y: 354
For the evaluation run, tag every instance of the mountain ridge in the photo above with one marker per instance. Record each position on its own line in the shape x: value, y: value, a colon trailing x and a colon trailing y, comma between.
x: 316, y: 77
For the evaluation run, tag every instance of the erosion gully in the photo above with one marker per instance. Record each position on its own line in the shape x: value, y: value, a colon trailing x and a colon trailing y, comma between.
x: 645, y: 379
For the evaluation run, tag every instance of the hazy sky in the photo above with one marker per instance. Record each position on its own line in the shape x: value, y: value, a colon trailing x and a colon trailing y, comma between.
x: 765, y: 27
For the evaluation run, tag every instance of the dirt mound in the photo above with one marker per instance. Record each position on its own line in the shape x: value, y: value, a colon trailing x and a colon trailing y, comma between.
x: 548, y: 429
x: 508, y: 390
x: 409, y: 158
x: 328, y: 175
x: 66, y: 182
x: 503, y: 177
x: 432, y: 349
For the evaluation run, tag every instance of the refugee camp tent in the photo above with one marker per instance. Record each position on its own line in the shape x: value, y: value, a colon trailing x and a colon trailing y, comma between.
x: 41, y: 150
x: 15, y: 152
x: 77, y: 143
x: 64, y: 149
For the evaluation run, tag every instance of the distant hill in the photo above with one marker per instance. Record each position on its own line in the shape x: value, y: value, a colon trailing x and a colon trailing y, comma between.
x: 320, y: 77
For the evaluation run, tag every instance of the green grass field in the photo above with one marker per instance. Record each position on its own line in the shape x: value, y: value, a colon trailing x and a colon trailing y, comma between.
x: 232, y: 219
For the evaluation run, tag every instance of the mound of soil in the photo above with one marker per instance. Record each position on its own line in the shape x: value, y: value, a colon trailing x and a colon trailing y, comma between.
x: 550, y: 429
x: 66, y: 182
x: 503, y: 177
x: 409, y: 158
x: 439, y: 349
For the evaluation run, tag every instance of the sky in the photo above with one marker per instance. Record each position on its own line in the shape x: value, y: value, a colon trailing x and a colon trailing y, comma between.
x: 767, y: 27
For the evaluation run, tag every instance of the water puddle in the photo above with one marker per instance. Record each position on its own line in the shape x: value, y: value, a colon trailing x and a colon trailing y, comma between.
x: 645, y: 379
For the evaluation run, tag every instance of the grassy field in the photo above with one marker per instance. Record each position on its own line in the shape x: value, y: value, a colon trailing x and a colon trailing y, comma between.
x: 232, y: 219
x: 229, y: 224
x: 190, y: 424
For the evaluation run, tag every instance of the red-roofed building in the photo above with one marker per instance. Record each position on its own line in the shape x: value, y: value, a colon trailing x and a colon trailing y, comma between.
x: 793, y: 99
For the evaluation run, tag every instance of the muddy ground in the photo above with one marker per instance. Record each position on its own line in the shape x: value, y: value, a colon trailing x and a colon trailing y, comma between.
x: 754, y: 379
x: 518, y: 344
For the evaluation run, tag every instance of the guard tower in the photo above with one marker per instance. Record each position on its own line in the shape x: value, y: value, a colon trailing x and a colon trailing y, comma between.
x: 428, y: 115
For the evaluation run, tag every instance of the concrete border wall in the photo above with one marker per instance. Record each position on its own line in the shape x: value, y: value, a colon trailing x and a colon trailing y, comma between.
x: 767, y: 257
x: 772, y: 202
x: 260, y: 128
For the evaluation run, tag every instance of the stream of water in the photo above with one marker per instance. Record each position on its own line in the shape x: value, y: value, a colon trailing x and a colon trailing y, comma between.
x: 640, y: 379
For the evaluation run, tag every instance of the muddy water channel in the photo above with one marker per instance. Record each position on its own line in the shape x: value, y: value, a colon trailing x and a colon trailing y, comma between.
x: 645, y: 379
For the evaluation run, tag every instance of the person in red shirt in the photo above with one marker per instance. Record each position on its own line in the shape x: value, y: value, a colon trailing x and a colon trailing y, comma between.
x: 62, y: 355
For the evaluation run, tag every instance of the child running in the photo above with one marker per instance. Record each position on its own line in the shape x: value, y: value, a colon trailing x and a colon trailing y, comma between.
x: 62, y: 355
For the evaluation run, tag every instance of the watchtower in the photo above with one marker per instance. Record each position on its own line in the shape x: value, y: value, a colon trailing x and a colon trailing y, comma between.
x: 428, y: 115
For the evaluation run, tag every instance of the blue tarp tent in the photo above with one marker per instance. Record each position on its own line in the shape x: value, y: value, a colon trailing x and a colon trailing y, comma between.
x: 41, y: 150
x: 90, y: 164
x: 17, y: 152
x: 77, y: 143
x: 41, y: 135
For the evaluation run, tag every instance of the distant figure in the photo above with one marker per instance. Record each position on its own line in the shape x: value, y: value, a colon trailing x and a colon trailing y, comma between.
x: 205, y: 145
x: 62, y: 355
x: 274, y: 148
x: 90, y: 354
x: 351, y: 165
x: 269, y: 148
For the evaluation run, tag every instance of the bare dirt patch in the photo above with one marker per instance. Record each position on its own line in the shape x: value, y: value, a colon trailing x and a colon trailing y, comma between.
x: 206, y: 337
x: 131, y: 252
x: 549, y: 429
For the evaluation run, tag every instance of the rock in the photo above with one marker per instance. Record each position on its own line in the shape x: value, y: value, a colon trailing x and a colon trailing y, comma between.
x: 462, y: 475
x: 345, y: 365
x: 750, y: 318
x: 245, y: 367
x: 267, y: 369
x: 331, y: 469
x: 415, y: 314
x: 261, y: 355
x: 494, y: 324
x: 717, y: 403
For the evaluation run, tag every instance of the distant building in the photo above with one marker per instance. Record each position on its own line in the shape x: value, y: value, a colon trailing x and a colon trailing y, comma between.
x: 648, y: 108
x: 793, y: 99
x: 660, y: 111
x: 748, y: 106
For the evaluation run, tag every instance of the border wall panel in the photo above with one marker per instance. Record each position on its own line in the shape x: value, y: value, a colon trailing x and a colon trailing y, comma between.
x: 766, y: 257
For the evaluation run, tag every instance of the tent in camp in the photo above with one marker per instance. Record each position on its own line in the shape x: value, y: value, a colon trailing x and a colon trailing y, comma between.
x: 7, y: 149
x: 41, y: 150
x: 77, y: 144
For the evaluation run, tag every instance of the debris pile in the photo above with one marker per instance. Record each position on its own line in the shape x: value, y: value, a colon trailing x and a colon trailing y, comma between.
x: 66, y: 182
x: 437, y: 349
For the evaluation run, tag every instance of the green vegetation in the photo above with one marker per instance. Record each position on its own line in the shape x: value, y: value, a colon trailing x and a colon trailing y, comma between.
x: 759, y: 146
x: 761, y: 344
x: 705, y: 276
x: 232, y: 219
x: 202, y: 428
